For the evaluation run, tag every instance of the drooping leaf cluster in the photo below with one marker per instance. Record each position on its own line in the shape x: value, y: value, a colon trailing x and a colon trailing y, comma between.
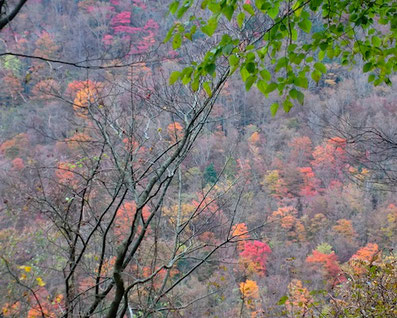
x: 284, y: 45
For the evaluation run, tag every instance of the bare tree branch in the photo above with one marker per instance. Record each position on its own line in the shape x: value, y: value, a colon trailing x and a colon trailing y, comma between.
x: 10, y: 16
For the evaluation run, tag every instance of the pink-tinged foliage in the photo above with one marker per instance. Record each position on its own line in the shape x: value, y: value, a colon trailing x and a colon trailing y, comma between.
x: 257, y: 252
x: 126, y: 29
x: 151, y: 25
x: 139, y: 4
x: 18, y: 164
x: 145, y: 44
x: 90, y: 9
x: 172, y: 54
x: 310, y: 185
x: 121, y: 24
x: 107, y: 39
x: 93, y: 9
x: 121, y: 18
x: 331, y: 154
x: 301, y: 149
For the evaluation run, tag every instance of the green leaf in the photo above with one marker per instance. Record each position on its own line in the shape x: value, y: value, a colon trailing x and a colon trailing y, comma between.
x: 301, y: 97
x: 250, y: 67
x: 298, y: 4
x: 265, y: 75
x: 173, y: 7
x: 211, y: 26
x: 301, y: 82
x: 320, y: 67
x: 188, y: 36
x: 228, y: 12
x: 371, y: 78
x: 207, y: 88
x: 271, y: 87
x: 315, y: 4
x: 240, y: 19
x: 262, y: 85
x: 210, y: 68
x: 227, y: 49
x: 367, y: 67
x: 177, y: 41
x: 282, y: 62
x: 214, y: 7
x: 316, y: 76
x: 169, y: 34
x: 250, y: 57
x: 287, y: 105
x: 330, y: 53
x: 273, y: 12
x: 376, y: 41
x: 187, y: 77
x: 321, y: 55
x: 191, y: 33
x: 244, y: 73
x: 282, y: 300
x: 260, y: 4
x: 182, y: 10
x: 305, y: 25
x: 323, y: 46
x: 250, y: 81
x: 295, y: 94
x: 233, y: 60
x: 247, y: 7
x: 294, y: 35
x: 273, y: 110
x: 226, y: 39
x: 174, y: 77
x: 195, y: 84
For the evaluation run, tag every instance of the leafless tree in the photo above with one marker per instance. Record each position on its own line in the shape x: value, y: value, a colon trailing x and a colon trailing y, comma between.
x: 113, y: 196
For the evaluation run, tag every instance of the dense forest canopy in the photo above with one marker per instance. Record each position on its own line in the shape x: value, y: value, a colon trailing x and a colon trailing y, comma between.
x: 231, y: 158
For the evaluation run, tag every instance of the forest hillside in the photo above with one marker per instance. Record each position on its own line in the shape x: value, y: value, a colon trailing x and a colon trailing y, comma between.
x: 198, y: 158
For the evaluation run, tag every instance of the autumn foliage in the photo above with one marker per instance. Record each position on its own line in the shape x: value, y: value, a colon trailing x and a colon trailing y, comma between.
x: 364, y: 256
x: 14, y: 146
x: 331, y: 154
x: 301, y: 219
x: 249, y: 290
x: 345, y: 229
x: 240, y: 231
x: 299, y: 300
x: 286, y: 217
x: 329, y: 264
x: 85, y: 96
x: 126, y: 218
x: 253, y: 257
x: 175, y: 131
